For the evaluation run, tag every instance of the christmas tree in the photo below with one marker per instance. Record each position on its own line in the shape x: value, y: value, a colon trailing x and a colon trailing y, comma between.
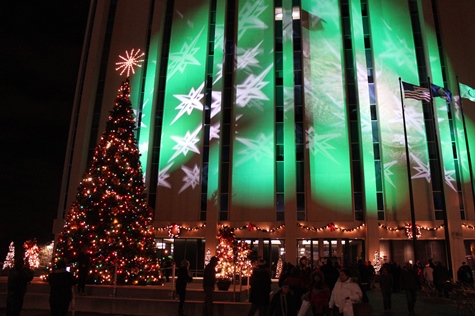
x: 10, y: 258
x: 243, y: 263
x: 278, y: 269
x: 31, y: 253
x: 225, y: 253
x: 110, y: 217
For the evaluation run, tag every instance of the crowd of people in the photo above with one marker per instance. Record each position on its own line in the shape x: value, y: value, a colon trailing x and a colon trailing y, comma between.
x: 330, y: 289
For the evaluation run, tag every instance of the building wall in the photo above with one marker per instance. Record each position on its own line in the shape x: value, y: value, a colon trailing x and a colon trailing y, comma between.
x: 285, y: 128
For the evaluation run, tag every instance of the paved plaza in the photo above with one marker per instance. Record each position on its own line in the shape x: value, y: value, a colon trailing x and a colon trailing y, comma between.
x: 432, y: 306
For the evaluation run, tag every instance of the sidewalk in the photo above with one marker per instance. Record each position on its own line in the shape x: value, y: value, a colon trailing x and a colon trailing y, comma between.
x: 424, y: 306
x: 442, y: 307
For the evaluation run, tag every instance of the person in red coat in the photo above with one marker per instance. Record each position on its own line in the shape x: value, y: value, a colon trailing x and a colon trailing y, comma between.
x: 318, y: 293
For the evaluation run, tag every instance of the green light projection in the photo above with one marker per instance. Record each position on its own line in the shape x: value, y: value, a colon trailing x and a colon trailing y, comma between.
x: 215, y: 117
x: 181, y: 139
x: 394, y: 56
x: 289, y: 103
x: 364, y: 115
x: 327, y: 127
x: 441, y: 114
x: 253, y: 168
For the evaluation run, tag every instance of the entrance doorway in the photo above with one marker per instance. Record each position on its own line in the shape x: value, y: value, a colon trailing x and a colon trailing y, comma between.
x: 343, y: 251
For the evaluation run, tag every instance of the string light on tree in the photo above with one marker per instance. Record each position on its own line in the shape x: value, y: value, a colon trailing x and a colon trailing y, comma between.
x: 225, y: 253
x: 207, y: 257
x: 31, y: 253
x: 130, y: 61
x: 10, y: 258
x: 110, y: 217
x: 278, y: 269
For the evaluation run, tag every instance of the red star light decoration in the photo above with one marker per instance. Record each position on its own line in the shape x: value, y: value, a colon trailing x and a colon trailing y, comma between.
x: 130, y: 61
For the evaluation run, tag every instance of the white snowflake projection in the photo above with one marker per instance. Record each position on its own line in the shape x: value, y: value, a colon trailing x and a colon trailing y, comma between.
x: 189, y: 102
x: 255, y: 149
x: 191, y: 178
x: 185, y: 57
x: 163, y: 175
x: 388, y: 173
x: 247, y: 58
x: 214, y: 131
x: 249, y: 17
x: 136, y: 114
x: 319, y: 143
x: 249, y: 92
x: 414, y: 119
x: 216, y: 103
x: 130, y: 61
x: 449, y: 179
x: 394, y: 45
x: 423, y: 170
x: 186, y: 144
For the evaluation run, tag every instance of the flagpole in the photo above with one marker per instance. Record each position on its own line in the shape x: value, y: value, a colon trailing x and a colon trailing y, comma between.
x: 442, y: 187
x: 409, y: 177
x: 466, y: 141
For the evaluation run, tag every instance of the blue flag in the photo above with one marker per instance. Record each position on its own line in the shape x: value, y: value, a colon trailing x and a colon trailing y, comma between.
x: 441, y: 92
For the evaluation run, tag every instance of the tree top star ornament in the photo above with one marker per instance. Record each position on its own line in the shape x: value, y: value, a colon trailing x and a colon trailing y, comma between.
x: 130, y: 61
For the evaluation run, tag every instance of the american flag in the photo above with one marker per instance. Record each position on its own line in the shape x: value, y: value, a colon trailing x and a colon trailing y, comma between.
x: 415, y: 92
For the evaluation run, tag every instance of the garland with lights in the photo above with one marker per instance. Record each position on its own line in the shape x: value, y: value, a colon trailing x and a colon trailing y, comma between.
x: 469, y: 226
x: 174, y: 230
x: 331, y: 227
x: 408, y: 229
x: 253, y: 227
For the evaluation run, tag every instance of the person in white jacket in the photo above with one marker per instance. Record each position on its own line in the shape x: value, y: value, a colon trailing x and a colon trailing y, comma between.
x: 345, y: 289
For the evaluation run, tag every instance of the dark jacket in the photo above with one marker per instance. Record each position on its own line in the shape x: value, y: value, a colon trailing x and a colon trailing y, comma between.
x: 283, y: 305
x: 260, y: 286
x: 61, y: 283
x: 409, y: 279
x: 209, y: 275
x: 182, y: 280
x: 18, y: 280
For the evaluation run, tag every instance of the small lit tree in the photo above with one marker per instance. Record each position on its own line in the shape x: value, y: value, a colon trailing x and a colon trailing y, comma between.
x: 31, y: 253
x: 225, y: 253
x: 278, y: 269
x: 207, y: 257
x: 243, y: 263
x: 10, y: 258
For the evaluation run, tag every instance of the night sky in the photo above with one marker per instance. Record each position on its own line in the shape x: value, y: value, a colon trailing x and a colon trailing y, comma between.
x: 41, y: 43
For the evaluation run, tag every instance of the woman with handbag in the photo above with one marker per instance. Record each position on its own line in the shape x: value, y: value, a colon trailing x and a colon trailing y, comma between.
x: 344, y: 294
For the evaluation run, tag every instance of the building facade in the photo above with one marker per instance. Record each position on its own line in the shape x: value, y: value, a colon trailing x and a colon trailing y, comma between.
x: 286, y: 120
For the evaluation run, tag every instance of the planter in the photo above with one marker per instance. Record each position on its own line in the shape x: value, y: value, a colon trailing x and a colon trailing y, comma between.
x: 223, y: 285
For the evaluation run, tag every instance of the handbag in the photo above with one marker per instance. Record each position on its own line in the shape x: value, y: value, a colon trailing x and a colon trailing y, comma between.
x: 305, y: 308
x: 348, y: 308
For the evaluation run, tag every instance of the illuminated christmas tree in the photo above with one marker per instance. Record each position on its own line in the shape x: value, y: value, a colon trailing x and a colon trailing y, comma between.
x: 278, y: 269
x: 10, y: 258
x: 207, y: 257
x: 225, y: 253
x: 32, y: 252
x: 110, y: 217
x: 243, y: 263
